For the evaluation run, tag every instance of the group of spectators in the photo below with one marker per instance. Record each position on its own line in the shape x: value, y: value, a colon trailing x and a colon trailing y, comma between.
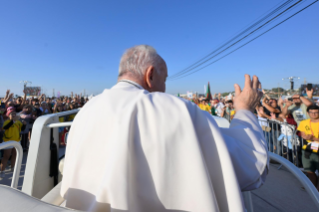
x: 217, y: 106
x: 17, y: 116
x: 290, y: 125
x: 298, y: 130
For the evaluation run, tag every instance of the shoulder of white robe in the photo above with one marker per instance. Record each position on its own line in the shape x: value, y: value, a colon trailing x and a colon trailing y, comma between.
x: 245, y: 120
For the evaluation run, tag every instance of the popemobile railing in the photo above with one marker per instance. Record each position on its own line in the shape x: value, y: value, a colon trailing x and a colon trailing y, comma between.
x: 41, y: 173
x: 17, y: 167
x: 284, y: 146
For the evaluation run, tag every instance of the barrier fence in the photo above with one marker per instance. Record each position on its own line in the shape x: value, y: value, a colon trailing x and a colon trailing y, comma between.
x: 282, y: 139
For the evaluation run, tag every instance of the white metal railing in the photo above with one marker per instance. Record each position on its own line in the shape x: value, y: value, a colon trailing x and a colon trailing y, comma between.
x: 303, y: 179
x: 248, y: 201
x: 17, y: 167
x: 37, y: 181
x: 61, y: 124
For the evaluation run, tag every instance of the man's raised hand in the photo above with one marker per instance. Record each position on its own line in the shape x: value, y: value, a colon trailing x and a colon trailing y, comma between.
x: 280, y: 101
x: 289, y: 103
x: 249, y: 97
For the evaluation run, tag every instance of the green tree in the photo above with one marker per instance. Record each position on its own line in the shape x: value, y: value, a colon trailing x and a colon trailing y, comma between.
x: 278, y: 89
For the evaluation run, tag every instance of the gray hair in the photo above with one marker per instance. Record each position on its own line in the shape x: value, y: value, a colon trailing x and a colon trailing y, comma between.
x: 137, y: 59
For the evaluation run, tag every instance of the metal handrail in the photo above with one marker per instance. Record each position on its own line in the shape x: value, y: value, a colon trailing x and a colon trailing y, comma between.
x: 303, y: 179
x: 17, y: 167
x: 38, y: 166
x: 248, y: 201
x: 60, y: 124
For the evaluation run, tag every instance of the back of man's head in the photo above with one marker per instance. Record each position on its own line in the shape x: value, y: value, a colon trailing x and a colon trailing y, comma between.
x: 137, y: 59
x: 142, y: 65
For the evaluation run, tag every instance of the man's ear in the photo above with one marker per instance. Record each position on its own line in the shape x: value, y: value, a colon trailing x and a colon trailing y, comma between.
x: 149, y: 76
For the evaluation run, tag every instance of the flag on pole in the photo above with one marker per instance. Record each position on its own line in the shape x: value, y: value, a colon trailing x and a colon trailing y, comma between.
x: 208, y: 94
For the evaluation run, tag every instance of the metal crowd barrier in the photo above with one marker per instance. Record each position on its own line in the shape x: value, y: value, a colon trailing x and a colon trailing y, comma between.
x: 282, y: 139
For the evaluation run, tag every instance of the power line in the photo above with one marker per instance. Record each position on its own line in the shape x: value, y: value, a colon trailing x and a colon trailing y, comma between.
x: 260, y: 27
x: 248, y: 41
x: 244, y: 31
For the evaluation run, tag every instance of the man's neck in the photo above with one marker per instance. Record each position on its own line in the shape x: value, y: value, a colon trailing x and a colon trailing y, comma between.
x: 314, y: 120
x: 132, y: 79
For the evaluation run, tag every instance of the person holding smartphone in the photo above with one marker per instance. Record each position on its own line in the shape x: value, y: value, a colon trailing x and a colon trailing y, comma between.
x: 298, y: 106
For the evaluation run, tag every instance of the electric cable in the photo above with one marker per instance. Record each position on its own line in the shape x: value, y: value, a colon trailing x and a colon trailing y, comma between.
x: 248, y: 41
x: 176, y: 75
x: 250, y: 27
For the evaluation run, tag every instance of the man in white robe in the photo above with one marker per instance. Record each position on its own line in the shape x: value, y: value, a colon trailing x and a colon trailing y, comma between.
x: 135, y: 148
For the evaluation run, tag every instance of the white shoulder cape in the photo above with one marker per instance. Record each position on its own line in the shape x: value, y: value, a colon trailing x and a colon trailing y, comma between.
x: 131, y: 150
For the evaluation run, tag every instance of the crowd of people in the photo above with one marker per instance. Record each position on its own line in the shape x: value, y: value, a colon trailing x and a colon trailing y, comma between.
x: 17, y: 116
x: 217, y: 106
x: 294, y: 120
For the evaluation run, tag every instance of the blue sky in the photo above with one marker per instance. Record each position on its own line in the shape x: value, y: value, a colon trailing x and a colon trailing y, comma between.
x: 72, y: 45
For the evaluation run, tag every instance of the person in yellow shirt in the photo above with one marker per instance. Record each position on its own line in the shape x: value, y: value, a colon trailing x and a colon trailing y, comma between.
x: 204, y: 106
x: 229, y: 110
x: 232, y: 113
x: 12, y: 128
x: 309, y: 129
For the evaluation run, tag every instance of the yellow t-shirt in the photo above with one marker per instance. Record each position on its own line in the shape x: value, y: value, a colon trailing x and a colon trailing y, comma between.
x: 13, y: 133
x: 71, y: 117
x: 61, y: 119
x: 304, y: 126
x: 232, y: 112
x: 204, y: 107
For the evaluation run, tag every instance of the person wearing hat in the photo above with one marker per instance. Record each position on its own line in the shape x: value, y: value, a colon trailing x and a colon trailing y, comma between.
x: 12, y: 127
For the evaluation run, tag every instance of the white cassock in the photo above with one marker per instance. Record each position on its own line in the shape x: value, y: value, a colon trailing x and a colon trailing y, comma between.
x: 131, y: 150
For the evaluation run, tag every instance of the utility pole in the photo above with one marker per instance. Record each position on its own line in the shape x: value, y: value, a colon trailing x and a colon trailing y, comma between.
x: 291, y: 79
